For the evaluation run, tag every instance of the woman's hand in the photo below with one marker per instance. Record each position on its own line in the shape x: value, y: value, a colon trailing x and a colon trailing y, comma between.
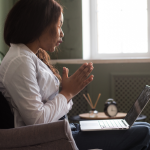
x: 79, y: 80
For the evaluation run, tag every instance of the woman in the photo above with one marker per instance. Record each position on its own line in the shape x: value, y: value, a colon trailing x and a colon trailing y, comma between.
x: 31, y: 84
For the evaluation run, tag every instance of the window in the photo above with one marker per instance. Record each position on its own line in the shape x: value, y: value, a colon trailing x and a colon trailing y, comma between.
x: 115, y: 29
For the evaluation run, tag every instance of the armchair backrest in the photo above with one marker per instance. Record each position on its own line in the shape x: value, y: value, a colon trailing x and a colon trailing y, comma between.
x: 6, y: 116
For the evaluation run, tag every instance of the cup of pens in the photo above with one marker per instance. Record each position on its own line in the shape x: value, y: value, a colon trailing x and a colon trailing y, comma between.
x: 93, y: 113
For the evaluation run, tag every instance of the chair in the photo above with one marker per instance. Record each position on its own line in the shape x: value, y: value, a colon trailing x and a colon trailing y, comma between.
x: 50, y: 136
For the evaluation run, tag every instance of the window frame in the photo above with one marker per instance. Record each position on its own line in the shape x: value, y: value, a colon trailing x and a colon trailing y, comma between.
x: 90, y: 41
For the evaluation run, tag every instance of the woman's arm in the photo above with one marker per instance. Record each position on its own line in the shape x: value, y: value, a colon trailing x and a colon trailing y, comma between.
x: 21, y: 83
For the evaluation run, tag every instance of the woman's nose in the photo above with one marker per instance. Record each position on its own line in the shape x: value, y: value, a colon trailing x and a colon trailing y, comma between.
x: 61, y: 33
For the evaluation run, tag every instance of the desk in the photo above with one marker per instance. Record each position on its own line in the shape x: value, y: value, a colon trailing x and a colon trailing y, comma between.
x: 102, y: 116
x: 78, y: 118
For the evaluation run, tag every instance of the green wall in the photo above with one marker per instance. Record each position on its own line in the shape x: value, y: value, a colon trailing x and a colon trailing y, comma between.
x: 102, y: 77
x: 72, y: 28
x: 5, y: 6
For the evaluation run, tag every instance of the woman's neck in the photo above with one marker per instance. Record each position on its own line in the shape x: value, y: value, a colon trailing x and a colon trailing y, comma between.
x: 33, y: 46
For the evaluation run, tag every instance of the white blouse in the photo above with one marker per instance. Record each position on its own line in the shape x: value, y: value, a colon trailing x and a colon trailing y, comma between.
x: 31, y: 88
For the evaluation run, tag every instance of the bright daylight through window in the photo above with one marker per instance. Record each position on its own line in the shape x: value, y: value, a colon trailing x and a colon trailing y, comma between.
x: 118, y: 29
x: 122, y: 26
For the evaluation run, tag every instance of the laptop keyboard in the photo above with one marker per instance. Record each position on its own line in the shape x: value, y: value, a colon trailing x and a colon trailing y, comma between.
x: 112, y: 124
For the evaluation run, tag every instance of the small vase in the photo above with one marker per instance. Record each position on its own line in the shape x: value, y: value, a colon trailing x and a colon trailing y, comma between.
x: 93, y: 113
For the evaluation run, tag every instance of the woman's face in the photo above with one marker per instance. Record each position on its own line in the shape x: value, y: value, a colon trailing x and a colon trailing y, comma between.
x: 48, y: 40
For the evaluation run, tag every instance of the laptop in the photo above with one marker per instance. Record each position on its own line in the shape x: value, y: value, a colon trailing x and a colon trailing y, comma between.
x: 119, y: 124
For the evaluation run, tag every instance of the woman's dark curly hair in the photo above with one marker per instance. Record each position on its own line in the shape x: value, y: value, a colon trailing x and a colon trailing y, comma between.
x: 28, y: 19
x: 43, y: 55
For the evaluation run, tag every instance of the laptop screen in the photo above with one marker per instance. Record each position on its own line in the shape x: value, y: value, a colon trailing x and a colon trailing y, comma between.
x: 138, y: 106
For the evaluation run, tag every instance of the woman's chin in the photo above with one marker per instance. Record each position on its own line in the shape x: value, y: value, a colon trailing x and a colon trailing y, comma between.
x: 52, y: 49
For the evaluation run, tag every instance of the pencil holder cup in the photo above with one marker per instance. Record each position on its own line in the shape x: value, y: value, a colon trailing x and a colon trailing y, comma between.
x: 93, y: 113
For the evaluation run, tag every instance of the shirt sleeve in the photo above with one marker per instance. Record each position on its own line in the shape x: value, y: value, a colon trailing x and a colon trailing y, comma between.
x: 23, y: 87
x: 70, y: 105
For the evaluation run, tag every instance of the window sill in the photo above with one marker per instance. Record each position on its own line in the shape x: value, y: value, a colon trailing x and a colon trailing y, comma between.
x: 102, y: 61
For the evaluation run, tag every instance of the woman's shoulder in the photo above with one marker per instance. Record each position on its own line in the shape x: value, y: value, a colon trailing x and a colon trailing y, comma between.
x: 22, y: 51
x: 18, y: 55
